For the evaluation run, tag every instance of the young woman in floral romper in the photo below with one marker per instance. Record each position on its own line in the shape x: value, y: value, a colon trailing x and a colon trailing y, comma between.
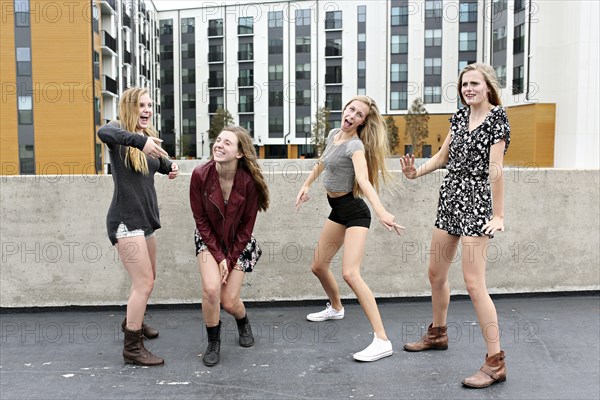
x: 470, y: 210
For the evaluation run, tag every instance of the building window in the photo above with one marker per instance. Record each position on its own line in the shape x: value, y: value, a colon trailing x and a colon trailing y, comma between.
x: 25, y: 107
x: 303, y: 71
x: 303, y: 97
x: 275, y: 98
x: 22, y: 13
x: 275, y: 46
x: 501, y: 75
x: 467, y: 41
x: 426, y: 151
x: 276, y: 72
x: 333, y: 20
x: 246, y: 77
x: 499, y: 39
x: 95, y: 18
x: 303, y: 44
x: 362, y: 41
x: 188, y: 126
x: 433, y: 37
x: 188, y: 100
x: 333, y: 74
x: 166, y: 51
x: 303, y: 127
x: 398, y: 100
x: 433, y: 66
x: 275, y: 125
x: 246, y: 52
x: 399, y: 16
x: 518, y: 79
x: 215, y: 79
x: 96, y: 65
x: 275, y: 19
x: 188, y: 25
x: 215, y: 27
x: 188, y: 75
x: 362, y: 13
x: 468, y: 12
x: 188, y: 50
x: 362, y: 69
x: 333, y: 101
x: 499, y: 6
x: 26, y: 159
x: 245, y: 25
x: 433, y: 94
x: 519, y: 39
x: 519, y: 5
x: 302, y: 17
x: 399, y: 72
x: 215, y: 52
x: 166, y: 26
x: 399, y: 44
x: 333, y: 48
x: 433, y: 8
x: 215, y: 102
x: 24, y: 61
x: 246, y: 103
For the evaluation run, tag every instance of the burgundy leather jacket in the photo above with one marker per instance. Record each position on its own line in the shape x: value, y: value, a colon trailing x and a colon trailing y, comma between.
x: 225, y: 230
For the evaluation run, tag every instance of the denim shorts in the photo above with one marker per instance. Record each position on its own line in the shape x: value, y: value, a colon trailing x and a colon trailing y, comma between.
x: 349, y: 211
x: 123, y: 232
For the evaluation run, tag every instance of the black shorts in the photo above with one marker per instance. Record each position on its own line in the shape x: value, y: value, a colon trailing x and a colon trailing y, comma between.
x: 349, y: 211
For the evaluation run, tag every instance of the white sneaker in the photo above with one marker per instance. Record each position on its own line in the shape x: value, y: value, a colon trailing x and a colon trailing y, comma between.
x: 376, y: 350
x: 328, y: 313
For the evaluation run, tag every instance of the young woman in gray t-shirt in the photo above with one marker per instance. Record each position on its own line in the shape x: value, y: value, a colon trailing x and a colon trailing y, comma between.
x: 351, y: 163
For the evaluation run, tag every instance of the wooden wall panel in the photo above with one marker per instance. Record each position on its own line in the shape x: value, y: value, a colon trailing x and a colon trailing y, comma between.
x: 62, y: 73
x: 9, y: 134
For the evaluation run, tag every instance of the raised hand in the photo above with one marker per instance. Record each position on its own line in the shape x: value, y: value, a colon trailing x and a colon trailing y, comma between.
x: 152, y: 148
x: 408, y: 166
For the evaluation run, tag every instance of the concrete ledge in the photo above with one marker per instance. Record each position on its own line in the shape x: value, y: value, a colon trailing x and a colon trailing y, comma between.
x: 55, y: 252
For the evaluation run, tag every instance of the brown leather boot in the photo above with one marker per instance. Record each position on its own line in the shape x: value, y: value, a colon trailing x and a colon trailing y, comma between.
x: 492, y: 371
x: 134, y: 351
x: 147, y: 331
x: 436, y: 339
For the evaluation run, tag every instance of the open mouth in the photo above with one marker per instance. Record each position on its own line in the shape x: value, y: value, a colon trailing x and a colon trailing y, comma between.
x: 347, y: 123
x: 144, y: 119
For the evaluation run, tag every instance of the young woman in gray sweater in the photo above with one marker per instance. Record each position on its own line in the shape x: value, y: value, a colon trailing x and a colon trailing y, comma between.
x: 135, y: 156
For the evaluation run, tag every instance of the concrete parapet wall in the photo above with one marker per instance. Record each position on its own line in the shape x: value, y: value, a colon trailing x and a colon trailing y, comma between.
x: 55, y: 252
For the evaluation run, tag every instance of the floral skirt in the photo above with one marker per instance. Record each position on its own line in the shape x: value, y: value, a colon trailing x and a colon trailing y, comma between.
x: 247, y: 259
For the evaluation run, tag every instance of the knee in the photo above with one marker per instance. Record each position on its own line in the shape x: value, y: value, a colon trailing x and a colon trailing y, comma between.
x: 437, y: 279
x: 318, y: 268
x: 476, y: 289
x: 229, y: 303
x: 144, y: 288
x: 352, y: 278
x: 211, y: 293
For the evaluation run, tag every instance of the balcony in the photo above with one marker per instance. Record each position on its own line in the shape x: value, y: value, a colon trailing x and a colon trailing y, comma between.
x: 126, y: 19
x: 109, y: 85
x: 108, y: 6
x: 109, y: 44
x: 213, y: 57
x: 243, y: 81
x: 126, y: 57
x: 212, y: 32
x: 215, y: 82
x: 245, y: 55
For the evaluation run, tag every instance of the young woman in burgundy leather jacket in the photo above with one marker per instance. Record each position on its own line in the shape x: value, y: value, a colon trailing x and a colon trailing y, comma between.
x: 226, y: 194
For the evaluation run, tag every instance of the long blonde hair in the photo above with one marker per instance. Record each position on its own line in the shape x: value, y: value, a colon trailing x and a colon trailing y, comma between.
x: 373, y: 134
x: 129, y: 113
x: 491, y: 81
x: 249, y: 163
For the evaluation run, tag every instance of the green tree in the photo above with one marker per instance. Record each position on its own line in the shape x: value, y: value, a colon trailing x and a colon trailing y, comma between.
x: 392, y: 131
x: 220, y: 120
x: 417, y: 126
x: 320, y: 129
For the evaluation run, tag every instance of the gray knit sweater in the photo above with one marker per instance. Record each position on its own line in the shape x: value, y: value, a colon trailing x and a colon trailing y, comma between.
x: 134, y: 199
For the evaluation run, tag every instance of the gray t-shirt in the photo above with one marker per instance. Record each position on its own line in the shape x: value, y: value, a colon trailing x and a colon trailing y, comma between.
x: 338, y: 175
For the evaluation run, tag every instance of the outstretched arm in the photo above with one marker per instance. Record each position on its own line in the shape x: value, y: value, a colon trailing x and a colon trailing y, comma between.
x: 437, y: 161
x: 303, y: 193
x: 362, y: 177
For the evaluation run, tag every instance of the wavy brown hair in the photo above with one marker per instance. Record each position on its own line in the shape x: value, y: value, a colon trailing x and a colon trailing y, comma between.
x: 129, y: 113
x: 491, y: 81
x: 249, y: 163
x: 373, y: 134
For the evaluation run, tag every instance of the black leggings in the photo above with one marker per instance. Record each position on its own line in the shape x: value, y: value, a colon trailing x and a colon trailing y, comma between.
x: 349, y: 211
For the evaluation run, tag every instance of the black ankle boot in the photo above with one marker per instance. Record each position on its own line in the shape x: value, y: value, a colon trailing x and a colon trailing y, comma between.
x: 211, y: 355
x: 245, y: 332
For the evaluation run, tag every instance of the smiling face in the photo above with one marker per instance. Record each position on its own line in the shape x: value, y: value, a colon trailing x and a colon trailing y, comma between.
x: 145, y: 112
x: 226, y: 147
x: 473, y: 88
x: 355, y: 114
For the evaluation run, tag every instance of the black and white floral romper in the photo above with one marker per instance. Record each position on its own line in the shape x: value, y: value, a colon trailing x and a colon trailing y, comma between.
x: 465, y: 204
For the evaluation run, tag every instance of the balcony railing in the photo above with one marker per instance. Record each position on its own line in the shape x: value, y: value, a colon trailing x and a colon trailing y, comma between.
x: 215, y: 82
x: 127, y: 57
x: 109, y: 84
x: 242, y: 81
x: 109, y: 41
x: 215, y: 57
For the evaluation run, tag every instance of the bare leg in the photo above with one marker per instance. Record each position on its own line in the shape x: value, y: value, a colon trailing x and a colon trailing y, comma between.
x: 230, y: 294
x: 211, y: 288
x: 330, y: 241
x: 473, y: 263
x: 354, y: 250
x: 443, y: 251
x: 135, y: 256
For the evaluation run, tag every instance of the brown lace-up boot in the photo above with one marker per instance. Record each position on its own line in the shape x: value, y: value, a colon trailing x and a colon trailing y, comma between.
x: 147, y: 331
x: 134, y: 351
x: 436, y: 339
x: 492, y: 371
